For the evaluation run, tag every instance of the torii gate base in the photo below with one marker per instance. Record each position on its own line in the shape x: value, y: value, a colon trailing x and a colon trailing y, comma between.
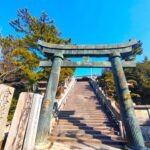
x: 115, y: 53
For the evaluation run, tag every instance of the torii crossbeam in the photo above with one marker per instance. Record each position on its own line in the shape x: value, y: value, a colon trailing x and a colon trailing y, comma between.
x: 124, y: 49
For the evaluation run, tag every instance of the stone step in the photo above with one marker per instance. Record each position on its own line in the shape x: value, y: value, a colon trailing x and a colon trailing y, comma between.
x: 90, y: 111
x: 86, y: 131
x: 87, y: 135
x: 98, y: 114
x: 89, y: 140
x: 86, y: 102
x: 92, y: 106
x: 83, y: 114
x: 84, y: 146
x: 82, y: 118
x: 72, y: 111
x: 85, y: 127
x: 84, y: 121
x: 84, y: 107
x: 59, y: 146
x: 110, y: 130
x: 110, y: 124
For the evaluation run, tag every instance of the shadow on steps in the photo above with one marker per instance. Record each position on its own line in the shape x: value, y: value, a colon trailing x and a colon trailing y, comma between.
x: 85, y: 133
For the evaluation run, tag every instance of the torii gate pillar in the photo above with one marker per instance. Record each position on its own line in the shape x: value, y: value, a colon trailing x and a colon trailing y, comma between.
x: 47, y: 104
x: 133, y: 131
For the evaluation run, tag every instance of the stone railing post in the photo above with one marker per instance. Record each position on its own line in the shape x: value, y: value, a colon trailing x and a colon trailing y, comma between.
x: 133, y: 131
x: 47, y: 104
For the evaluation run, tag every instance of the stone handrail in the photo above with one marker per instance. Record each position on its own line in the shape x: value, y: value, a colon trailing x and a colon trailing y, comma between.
x: 142, y: 113
x: 59, y: 103
x: 109, y: 109
x: 142, y: 107
x: 64, y: 97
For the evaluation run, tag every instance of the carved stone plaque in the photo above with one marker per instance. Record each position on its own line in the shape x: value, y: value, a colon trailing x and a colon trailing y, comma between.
x: 30, y: 137
x: 19, y: 124
x: 6, y: 94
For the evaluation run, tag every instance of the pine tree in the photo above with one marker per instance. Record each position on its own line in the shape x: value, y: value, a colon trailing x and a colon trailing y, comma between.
x: 21, y: 56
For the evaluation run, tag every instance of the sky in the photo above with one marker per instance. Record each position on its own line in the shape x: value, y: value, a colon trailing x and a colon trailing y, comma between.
x: 88, y: 21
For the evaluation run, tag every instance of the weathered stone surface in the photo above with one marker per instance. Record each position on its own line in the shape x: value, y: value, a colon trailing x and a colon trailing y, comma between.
x: 48, y: 103
x: 19, y: 122
x: 143, y: 115
x: 6, y: 94
x: 33, y: 123
x: 132, y: 128
x: 83, y: 64
x: 87, y: 50
x: 88, y: 47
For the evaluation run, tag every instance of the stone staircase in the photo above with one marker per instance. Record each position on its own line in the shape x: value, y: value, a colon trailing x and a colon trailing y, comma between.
x: 83, y: 124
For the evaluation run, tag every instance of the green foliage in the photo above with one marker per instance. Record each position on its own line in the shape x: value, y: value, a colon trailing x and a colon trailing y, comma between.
x: 12, y: 109
x: 34, y: 28
x: 106, y: 81
x: 138, y: 79
x: 65, y: 72
x: 21, y: 56
x: 141, y: 74
x: 136, y: 50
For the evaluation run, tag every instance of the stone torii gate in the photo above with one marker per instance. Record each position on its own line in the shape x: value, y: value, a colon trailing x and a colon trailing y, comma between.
x: 57, y: 54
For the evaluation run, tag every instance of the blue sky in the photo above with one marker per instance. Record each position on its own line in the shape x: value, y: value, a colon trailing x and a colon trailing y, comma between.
x: 89, y: 21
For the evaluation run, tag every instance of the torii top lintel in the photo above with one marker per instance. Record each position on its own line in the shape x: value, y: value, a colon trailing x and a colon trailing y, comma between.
x: 87, y: 50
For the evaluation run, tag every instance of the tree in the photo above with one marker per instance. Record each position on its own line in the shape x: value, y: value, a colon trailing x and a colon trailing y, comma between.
x: 106, y: 81
x: 136, y: 50
x: 138, y: 79
x: 21, y: 55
